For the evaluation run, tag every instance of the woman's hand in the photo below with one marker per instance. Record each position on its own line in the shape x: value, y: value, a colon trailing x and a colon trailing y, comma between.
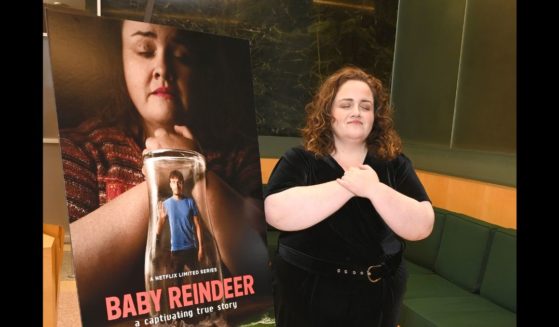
x: 359, y: 180
x: 180, y: 138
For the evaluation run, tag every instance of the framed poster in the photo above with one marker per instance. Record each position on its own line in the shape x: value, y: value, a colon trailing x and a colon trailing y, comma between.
x: 162, y: 174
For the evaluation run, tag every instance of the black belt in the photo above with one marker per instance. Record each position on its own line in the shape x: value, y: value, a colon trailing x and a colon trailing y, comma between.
x: 374, y: 272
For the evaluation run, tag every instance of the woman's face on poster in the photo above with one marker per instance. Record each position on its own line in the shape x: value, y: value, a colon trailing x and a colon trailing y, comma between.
x: 157, y: 71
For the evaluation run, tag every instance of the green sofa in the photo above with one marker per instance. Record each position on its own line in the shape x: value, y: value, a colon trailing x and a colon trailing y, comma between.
x: 463, y: 274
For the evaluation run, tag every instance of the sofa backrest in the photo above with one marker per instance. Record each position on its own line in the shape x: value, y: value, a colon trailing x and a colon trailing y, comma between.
x: 463, y: 250
x: 424, y: 252
x: 499, y: 279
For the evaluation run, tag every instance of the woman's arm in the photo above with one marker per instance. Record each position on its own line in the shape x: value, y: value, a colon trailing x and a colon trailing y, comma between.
x: 410, y: 219
x: 241, y: 247
x: 304, y: 206
x: 109, y: 245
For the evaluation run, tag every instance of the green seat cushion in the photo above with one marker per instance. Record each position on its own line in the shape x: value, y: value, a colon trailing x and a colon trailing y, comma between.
x: 416, y: 269
x: 431, y: 285
x: 424, y: 252
x: 499, y: 280
x: 462, y: 252
x: 463, y: 311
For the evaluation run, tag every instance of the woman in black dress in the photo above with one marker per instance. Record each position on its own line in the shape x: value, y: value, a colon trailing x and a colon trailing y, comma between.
x: 344, y: 203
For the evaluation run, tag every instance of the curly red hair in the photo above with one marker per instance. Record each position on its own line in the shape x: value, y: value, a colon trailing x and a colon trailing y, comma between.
x: 383, y: 141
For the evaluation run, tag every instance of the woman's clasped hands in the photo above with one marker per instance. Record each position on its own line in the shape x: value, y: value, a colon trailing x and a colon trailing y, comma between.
x: 359, y: 180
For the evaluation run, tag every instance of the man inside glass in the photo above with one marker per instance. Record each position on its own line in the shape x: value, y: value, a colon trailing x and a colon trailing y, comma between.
x: 184, y: 226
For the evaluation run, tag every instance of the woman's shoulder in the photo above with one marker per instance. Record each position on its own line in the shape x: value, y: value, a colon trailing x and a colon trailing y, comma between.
x: 401, y: 158
x: 398, y: 162
x: 298, y: 153
x: 92, y: 140
x: 94, y: 132
x: 401, y: 163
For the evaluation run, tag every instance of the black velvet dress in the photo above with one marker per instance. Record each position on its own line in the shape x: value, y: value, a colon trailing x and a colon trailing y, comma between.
x: 354, y: 234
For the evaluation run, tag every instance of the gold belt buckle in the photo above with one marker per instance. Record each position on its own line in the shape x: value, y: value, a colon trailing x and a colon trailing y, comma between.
x: 369, y: 273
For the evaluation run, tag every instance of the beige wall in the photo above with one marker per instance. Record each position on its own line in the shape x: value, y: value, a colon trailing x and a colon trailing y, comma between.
x: 54, y: 197
x: 493, y: 203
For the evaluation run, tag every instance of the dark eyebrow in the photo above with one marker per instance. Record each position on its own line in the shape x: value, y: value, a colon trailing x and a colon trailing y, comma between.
x: 149, y: 34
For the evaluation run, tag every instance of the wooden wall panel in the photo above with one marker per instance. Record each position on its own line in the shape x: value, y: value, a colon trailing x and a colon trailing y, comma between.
x: 493, y: 203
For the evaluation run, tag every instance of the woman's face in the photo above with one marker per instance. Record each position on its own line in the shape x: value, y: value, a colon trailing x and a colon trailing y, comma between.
x: 352, y: 112
x: 156, y: 70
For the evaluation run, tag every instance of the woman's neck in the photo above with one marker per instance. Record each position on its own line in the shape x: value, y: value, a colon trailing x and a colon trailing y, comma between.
x: 349, y: 155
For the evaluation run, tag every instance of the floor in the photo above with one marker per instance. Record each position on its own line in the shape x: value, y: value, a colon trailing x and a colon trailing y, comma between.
x: 68, y: 307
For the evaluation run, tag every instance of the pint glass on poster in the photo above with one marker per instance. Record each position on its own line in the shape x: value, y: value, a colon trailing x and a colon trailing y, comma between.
x: 181, y: 248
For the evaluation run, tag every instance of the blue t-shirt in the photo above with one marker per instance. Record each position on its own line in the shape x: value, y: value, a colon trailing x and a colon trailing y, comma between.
x: 181, y: 213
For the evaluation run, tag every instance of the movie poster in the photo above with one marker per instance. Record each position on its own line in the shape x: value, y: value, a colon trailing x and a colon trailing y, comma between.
x: 162, y: 174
